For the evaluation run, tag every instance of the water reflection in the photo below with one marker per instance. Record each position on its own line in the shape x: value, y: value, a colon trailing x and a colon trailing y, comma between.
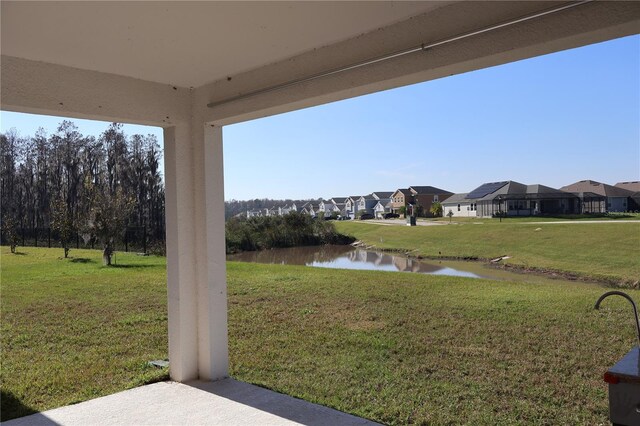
x: 347, y: 257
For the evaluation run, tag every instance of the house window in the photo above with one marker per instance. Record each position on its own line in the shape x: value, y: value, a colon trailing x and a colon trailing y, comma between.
x: 458, y: 207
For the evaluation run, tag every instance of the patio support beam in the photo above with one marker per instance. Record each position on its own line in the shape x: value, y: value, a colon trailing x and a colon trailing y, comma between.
x: 42, y: 88
x: 588, y: 23
x: 196, y: 271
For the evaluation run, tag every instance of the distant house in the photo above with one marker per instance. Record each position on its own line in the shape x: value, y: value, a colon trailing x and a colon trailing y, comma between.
x: 323, y: 206
x: 328, y: 208
x: 634, y: 187
x: 308, y: 208
x: 366, y: 203
x: 512, y: 198
x: 254, y: 213
x: 425, y: 196
x: 382, y: 195
x: 338, y: 200
x: 340, y: 204
x: 274, y: 211
x: 289, y: 208
x: 381, y: 208
x: 459, y: 206
x: 597, y: 197
x: 383, y: 203
x: 401, y: 198
x: 350, y: 206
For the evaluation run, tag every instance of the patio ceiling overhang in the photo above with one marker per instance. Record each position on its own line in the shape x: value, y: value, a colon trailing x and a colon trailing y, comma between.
x: 165, y: 63
x: 213, y: 51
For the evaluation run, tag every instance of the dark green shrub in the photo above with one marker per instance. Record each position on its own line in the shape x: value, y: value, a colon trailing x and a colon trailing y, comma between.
x: 291, y: 230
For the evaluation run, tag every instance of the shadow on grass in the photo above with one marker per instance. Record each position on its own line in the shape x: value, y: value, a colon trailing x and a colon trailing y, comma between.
x: 19, y: 253
x: 82, y: 260
x: 134, y: 266
x: 622, y: 216
x: 11, y: 407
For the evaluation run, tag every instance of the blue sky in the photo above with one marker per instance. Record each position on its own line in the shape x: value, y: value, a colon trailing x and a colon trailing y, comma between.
x: 553, y: 120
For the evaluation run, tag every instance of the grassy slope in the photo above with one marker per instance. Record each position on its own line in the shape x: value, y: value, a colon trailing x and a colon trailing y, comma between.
x: 604, y: 251
x: 397, y: 348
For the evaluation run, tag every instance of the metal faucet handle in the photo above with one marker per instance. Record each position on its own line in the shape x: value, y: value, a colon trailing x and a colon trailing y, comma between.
x: 626, y: 296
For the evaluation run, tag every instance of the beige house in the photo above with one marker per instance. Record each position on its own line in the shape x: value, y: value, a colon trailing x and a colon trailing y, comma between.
x: 422, y: 196
x: 401, y: 198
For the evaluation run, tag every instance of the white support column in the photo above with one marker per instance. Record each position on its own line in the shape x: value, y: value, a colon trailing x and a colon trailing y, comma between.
x: 213, y: 361
x: 181, y: 271
x: 196, y: 271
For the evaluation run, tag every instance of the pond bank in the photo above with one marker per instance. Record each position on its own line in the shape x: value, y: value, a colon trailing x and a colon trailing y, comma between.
x: 346, y: 257
x: 598, y: 252
x: 521, y: 269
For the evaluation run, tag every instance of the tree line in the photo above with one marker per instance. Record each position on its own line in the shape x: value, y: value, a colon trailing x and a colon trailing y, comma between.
x: 81, y: 185
x: 291, y: 230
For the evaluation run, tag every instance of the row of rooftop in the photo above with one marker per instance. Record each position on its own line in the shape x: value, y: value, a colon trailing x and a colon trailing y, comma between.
x: 508, y: 197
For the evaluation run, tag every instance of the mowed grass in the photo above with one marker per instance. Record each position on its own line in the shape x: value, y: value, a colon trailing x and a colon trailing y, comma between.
x: 397, y: 348
x: 404, y: 348
x: 602, y: 251
x: 73, y: 330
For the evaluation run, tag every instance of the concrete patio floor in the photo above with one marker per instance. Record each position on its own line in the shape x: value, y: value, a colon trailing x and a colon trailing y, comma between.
x: 225, y: 402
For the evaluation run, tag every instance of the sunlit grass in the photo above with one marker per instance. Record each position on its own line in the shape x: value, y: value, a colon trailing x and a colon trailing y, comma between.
x: 73, y: 330
x: 397, y: 348
x: 404, y: 348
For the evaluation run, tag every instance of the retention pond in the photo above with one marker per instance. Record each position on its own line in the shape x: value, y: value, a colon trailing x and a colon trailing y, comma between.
x: 347, y: 257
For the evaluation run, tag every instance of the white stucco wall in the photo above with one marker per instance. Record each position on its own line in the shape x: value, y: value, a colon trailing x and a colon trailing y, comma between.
x: 465, y: 210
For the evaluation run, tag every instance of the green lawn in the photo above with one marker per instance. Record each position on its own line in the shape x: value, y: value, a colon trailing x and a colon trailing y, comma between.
x: 72, y: 330
x: 603, y: 251
x: 397, y: 348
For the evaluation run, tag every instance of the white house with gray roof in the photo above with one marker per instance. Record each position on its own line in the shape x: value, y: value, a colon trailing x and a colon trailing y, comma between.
x: 350, y: 206
x: 513, y: 199
x: 381, y: 208
x: 366, y: 204
x: 459, y: 206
